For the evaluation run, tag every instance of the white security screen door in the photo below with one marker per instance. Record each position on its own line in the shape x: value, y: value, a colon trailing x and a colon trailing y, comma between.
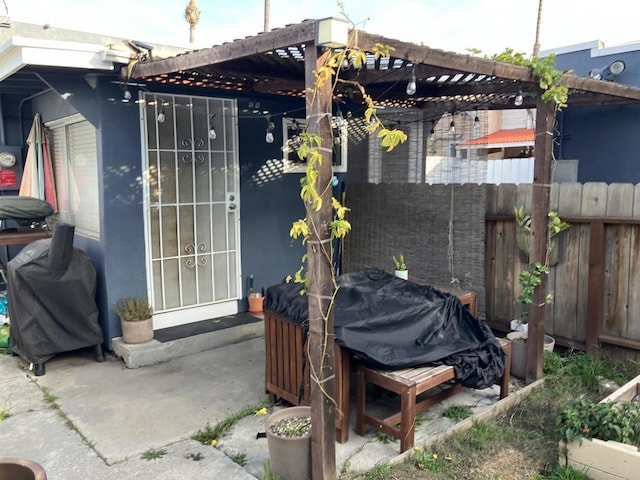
x: 191, y: 207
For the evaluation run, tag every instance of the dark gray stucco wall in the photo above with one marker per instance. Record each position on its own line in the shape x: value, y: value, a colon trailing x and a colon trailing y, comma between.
x: 603, y: 139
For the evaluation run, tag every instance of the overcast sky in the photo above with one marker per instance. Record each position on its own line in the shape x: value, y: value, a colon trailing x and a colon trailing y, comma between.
x: 453, y: 25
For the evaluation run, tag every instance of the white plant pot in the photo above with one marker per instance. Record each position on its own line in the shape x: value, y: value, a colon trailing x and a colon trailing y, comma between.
x: 517, y: 326
x: 403, y: 274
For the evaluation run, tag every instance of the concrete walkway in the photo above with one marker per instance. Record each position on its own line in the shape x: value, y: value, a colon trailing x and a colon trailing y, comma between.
x: 105, y: 416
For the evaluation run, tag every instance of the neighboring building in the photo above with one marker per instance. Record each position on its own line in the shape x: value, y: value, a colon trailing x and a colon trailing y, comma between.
x: 590, y: 134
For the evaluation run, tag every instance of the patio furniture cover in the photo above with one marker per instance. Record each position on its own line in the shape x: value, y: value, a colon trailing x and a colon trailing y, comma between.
x: 51, y: 297
x: 24, y: 209
x: 390, y: 323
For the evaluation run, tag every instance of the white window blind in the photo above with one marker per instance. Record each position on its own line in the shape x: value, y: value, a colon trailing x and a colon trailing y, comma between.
x: 75, y: 164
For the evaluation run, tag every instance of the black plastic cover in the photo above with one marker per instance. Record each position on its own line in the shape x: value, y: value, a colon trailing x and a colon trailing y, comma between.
x: 390, y: 323
x: 24, y: 208
x: 51, y: 298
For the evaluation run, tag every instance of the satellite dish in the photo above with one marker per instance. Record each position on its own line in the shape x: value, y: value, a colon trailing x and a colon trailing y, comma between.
x: 617, y: 67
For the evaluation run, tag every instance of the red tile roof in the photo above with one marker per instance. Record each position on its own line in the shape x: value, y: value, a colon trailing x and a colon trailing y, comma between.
x: 516, y: 135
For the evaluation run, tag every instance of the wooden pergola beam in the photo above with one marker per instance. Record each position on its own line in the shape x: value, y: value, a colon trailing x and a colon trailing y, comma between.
x: 266, y: 42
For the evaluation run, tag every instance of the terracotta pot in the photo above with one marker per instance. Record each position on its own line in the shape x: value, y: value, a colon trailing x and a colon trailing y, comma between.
x: 137, y: 332
x: 21, y: 469
x: 290, y: 457
x: 256, y: 301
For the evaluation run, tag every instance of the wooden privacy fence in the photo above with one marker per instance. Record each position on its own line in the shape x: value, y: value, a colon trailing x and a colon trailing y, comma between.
x: 595, y: 285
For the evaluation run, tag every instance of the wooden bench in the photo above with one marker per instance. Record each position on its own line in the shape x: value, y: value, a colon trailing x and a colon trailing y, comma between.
x: 408, y: 384
x: 287, y: 373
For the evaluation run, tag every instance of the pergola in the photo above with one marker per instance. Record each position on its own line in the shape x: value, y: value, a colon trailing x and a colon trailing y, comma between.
x: 282, y: 62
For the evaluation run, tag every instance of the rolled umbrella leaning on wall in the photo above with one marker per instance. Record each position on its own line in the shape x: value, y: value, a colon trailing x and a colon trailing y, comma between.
x: 37, y: 177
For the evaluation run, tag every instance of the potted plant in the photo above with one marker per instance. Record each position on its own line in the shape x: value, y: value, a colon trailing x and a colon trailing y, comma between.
x: 555, y: 226
x: 255, y: 299
x: 401, y: 267
x: 289, y: 442
x: 136, y: 319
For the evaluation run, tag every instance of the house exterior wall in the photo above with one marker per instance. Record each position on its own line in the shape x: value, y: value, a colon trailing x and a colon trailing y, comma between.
x: 269, y: 199
x: 603, y: 139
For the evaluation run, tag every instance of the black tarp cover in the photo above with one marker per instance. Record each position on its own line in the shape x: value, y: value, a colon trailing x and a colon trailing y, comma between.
x: 51, y: 297
x: 24, y: 208
x: 390, y: 323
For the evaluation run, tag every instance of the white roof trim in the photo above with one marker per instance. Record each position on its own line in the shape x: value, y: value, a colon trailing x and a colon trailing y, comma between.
x: 496, y: 145
x: 594, y: 44
x: 596, y: 48
x: 19, y: 52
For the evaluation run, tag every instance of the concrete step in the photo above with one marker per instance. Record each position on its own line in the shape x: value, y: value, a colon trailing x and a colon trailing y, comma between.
x: 150, y: 353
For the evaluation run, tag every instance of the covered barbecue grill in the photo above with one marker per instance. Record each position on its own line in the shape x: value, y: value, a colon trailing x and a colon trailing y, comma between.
x: 51, y: 296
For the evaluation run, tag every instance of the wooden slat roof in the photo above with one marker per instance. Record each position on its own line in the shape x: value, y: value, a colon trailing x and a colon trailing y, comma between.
x: 273, y: 62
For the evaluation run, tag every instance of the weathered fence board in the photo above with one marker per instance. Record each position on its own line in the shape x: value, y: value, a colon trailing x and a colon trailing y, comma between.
x: 596, y: 284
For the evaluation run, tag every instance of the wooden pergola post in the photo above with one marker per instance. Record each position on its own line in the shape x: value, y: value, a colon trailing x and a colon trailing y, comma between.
x: 320, y: 289
x: 543, y: 153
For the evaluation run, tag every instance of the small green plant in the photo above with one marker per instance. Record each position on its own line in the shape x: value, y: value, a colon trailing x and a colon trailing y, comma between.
x: 240, y: 459
x: 617, y: 421
x: 381, y: 471
x: 206, y: 435
x: 530, y: 278
x: 153, y: 454
x: 399, y: 262
x: 267, y: 473
x: 133, y: 309
x: 292, y: 427
x: 552, y: 363
x: 457, y: 412
x: 589, y: 371
x: 429, y: 461
x: 384, y: 437
x: 565, y: 472
x: 4, y: 414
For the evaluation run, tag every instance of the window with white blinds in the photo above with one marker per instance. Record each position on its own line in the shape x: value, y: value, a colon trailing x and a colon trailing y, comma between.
x: 72, y: 142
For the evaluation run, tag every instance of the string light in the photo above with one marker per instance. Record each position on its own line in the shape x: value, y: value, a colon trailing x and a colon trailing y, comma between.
x: 452, y: 126
x: 476, y: 126
x: 519, y: 99
x: 212, y: 130
x: 161, y: 115
x: 126, y: 95
x: 432, y: 133
x: 270, y: 126
x: 411, y: 86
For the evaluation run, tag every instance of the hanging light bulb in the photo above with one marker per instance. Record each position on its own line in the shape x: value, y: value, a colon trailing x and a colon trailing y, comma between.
x: 212, y: 130
x: 452, y: 128
x: 345, y: 65
x: 519, y: 99
x: 411, y: 86
x: 126, y: 95
x: 529, y: 119
x: 270, y: 126
x: 476, y: 126
x: 161, y: 116
x: 432, y: 133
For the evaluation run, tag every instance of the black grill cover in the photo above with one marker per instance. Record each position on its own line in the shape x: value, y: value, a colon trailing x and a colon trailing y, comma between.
x: 51, y: 296
x: 392, y: 323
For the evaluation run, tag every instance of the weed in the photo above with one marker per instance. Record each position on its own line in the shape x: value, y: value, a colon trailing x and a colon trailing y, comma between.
x: 589, y: 370
x: 381, y: 471
x: 457, y: 412
x: 4, y: 414
x: 153, y: 453
x: 384, y: 437
x: 49, y: 397
x: 267, y: 473
x: 240, y: 459
x: 209, y: 433
x: 564, y: 473
x: 429, y: 461
x: 552, y: 363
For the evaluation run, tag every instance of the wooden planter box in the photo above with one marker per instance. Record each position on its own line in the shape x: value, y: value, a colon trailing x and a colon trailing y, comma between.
x: 602, y: 460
